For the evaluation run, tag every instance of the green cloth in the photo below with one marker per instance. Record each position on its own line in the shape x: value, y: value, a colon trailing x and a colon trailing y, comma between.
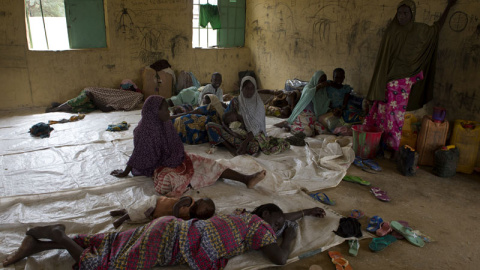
x: 186, y: 96
x: 209, y: 13
x: 82, y: 103
x: 404, y: 52
x: 310, y: 94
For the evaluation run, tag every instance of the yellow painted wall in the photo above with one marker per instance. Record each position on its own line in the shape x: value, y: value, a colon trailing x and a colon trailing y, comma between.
x: 293, y: 38
x: 162, y: 29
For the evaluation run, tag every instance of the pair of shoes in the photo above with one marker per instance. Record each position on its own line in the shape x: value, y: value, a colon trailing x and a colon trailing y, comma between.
x: 322, y: 197
x: 354, y: 247
x: 380, y: 194
x: 411, y: 237
x: 380, y: 243
x: 356, y: 179
x: 340, y: 262
x: 357, y: 214
x: 374, y: 224
x: 384, y: 229
x: 368, y: 168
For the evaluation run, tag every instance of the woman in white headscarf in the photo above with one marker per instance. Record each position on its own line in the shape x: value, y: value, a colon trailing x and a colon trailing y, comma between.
x: 243, y: 129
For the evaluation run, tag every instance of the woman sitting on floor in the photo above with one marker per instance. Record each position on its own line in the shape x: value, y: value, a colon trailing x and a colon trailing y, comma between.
x: 251, y: 113
x: 191, y: 126
x: 159, y: 152
x: 201, y: 244
x: 313, y: 103
x: 104, y: 99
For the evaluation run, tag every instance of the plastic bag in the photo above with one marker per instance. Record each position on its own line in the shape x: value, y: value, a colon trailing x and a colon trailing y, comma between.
x: 295, y: 84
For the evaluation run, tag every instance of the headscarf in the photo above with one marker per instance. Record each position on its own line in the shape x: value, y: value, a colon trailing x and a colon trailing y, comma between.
x: 215, y: 103
x: 156, y: 143
x: 310, y: 94
x: 406, y: 50
x: 252, y: 109
x: 126, y: 84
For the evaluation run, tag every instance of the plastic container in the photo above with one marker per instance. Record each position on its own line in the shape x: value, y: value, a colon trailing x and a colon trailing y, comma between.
x: 409, y: 131
x: 439, y: 114
x: 446, y: 161
x: 432, y: 137
x: 366, y: 140
x: 466, y: 137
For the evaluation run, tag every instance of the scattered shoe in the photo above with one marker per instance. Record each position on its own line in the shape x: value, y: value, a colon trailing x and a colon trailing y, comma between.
x: 322, y: 197
x: 296, y: 140
x: 372, y: 164
x: 374, y: 224
x: 380, y: 243
x: 357, y: 214
x: 411, y: 237
x: 354, y: 246
x: 398, y: 235
x: 384, y: 229
x: 356, y: 179
x: 340, y: 262
x: 359, y: 163
x: 380, y: 194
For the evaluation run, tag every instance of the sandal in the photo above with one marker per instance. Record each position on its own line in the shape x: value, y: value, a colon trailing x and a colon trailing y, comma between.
x: 354, y: 246
x: 372, y: 164
x: 359, y: 163
x: 398, y: 235
x: 384, y: 229
x: 380, y: 243
x: 357, y: 214
x: 322, y: 197
x: 374, y: 224
x: 340, y: 262
x: 411, y: 237
x: 356, y: 179
x: 380, y: 194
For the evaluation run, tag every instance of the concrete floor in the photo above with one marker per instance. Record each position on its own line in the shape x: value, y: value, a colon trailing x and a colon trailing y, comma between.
x: 443, y: 208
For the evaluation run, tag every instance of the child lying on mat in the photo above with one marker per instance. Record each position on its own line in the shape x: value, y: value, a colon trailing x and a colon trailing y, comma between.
x: 158, y: 206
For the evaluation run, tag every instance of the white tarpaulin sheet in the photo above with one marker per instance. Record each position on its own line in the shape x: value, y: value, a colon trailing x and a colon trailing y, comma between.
x: 66, y: 179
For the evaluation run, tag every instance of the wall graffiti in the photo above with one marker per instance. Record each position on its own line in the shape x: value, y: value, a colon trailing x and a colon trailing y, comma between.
x: 458, y: 21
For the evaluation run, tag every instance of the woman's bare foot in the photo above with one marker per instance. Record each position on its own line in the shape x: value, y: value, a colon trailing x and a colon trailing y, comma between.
x: 28, y: 247
x: 51, y: 232
x: 256, y: 178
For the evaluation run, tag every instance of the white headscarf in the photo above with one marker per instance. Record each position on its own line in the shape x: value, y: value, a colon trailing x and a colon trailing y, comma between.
x: 215, y: 102
x: 252, y: 109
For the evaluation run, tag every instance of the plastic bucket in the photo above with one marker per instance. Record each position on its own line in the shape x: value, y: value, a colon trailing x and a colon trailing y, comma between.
x: 366, y: 140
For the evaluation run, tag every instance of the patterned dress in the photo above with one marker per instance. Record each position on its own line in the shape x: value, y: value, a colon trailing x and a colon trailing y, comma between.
x: 192, y: 127
x: 202, y: 244
x: 194, y: 172
x: 390, y: 114
x: 105, y: 97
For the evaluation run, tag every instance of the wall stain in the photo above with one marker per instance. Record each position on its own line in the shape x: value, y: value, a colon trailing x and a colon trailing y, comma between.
x: 175, y: 43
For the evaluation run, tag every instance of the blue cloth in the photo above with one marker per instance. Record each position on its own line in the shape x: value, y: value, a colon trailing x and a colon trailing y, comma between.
x: 191, y: 127
x: 336, y: 96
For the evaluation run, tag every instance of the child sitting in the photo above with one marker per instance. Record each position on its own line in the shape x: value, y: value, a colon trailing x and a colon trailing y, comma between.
x: 159, y: 206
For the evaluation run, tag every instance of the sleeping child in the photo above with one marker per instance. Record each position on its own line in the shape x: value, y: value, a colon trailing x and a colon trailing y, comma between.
x: 158, y: 206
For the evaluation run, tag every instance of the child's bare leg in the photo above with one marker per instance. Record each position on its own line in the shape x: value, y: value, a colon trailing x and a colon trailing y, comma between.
x: 117, y: 223
x: 249, y: 180
x: 116, y: 213
x: 56, y: 233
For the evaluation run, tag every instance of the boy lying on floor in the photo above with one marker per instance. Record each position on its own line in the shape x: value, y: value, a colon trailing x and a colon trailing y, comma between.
x: 158, y: 206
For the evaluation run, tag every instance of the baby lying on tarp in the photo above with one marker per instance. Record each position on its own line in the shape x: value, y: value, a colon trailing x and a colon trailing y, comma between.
x: 158, y: 206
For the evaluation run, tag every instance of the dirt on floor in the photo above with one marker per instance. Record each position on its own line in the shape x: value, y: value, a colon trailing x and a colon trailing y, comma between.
x: 443, y: 208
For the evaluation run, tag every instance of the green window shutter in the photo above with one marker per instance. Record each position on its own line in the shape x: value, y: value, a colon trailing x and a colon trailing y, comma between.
x: 232, y: 16
x: 85, y: 23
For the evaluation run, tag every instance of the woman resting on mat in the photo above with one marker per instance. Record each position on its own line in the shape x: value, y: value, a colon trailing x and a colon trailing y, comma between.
x: 201, y: 244
x: 250, y: 111
x: 104, y: 99
x: 158, y: 152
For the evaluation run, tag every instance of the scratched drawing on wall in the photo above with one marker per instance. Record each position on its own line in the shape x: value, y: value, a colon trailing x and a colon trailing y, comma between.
x: 458, y: 21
